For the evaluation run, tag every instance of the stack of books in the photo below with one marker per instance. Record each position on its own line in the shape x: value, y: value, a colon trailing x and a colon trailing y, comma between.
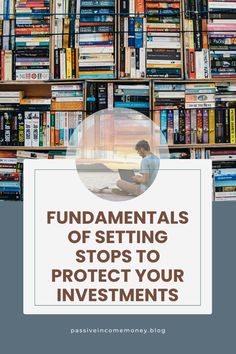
x: 163, y: 39
x: 65, y: 39
x: 67, y: 111
x: 224, y: 173
x: 7, y: 39
x: 222, y: 38
x: 169, y: 112
x: 197, y: 61
x: 32, y: 40
x: 97, y: 39
x: 99, y: 96
x: 10, y: 119
x: 36, y: 113
x: 130, y: 95
x: 133, y: 96
x: 198, y: 113
x: 10, y: 184
x: 132, y: 39
x: 225, y: 113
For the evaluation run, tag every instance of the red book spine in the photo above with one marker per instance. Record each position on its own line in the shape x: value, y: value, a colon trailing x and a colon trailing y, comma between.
x: 199, y: 126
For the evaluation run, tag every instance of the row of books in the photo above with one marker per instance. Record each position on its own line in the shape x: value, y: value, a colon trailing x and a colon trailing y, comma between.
x: 210, y: 38
x: 11, y: 171
x: 39, y: 128
x: 224, y: 175
x: 196, y: 45
x: 32, y: 40
x: 224, y: 170
x: 118, y: 95
x: 44, y: 128
x: 41, y: 121
x: 82, y: 37
x: 196, y: 126
x: 10, y: 176
x: 222, y: 38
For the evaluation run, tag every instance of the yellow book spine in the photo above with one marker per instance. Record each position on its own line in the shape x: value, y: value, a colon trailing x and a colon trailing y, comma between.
x: 66, y: 33
x: 174, y: 66
x: 211, y: 126
x: 232, y: 125
x: 68, y: 64
x: 191, y: 34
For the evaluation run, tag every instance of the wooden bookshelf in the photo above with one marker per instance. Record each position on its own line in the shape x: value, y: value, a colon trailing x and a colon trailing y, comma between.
x: 74, y: 81
x: 42, y: 88
x: 175, y: 146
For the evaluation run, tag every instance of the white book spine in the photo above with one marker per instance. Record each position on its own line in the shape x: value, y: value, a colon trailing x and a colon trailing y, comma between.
x: 194, y: 105
x: 126, y: 32
x: 8, y: 66
x: 176, y: 120
x: 101, y: 50
x: 77, y: 8
x: 35, y: 129
x: 63, y: 64
x: 28, y: 130
x: 142, y: 62
x: 163, y: 45
x: 66, y: 132
x: 110, y: 102
x: 132, y: 64
x: 60, y: 33
x: 131, y: 7
x: 77, y: 29
x: 199, y: 65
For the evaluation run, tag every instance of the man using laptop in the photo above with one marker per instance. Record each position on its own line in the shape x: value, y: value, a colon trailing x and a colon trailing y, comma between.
x: 148, y: 171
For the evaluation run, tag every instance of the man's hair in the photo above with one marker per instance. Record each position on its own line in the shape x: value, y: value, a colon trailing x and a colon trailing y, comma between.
x: 142, y: 144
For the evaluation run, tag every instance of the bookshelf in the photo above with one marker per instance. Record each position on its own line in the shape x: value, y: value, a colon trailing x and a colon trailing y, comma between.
x: 132, y: 33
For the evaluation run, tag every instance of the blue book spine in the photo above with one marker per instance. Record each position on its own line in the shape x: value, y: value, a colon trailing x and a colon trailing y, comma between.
x: 5, y: 9
x: 131, y: 33
x: 96, y: 43
x: 138, y: 26
x: 96, y: 76
x: 9, y: 189
x: 231, y: 183
x: 131, y: 105
x: 163, y: 127
x: 9, y: 184
x: 225, y: 178
x: 97, y: 18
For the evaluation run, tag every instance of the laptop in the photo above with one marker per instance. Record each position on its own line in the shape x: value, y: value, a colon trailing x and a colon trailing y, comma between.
x: 126, y: 175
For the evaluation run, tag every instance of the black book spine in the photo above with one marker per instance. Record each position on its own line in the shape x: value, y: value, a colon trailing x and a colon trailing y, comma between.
x: 137, y: 58
x: 219, y: 126
x: 226, y: 126
x: 2, y: 132
x: 181, y: 126
x: 14, y: 132
x: 56, y: 64
x: 71, y: 33
x: 102, y: 96
x: 7, y: 128
x: 124, y: 7
x: 20, y: 129
x: 91, y: 98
